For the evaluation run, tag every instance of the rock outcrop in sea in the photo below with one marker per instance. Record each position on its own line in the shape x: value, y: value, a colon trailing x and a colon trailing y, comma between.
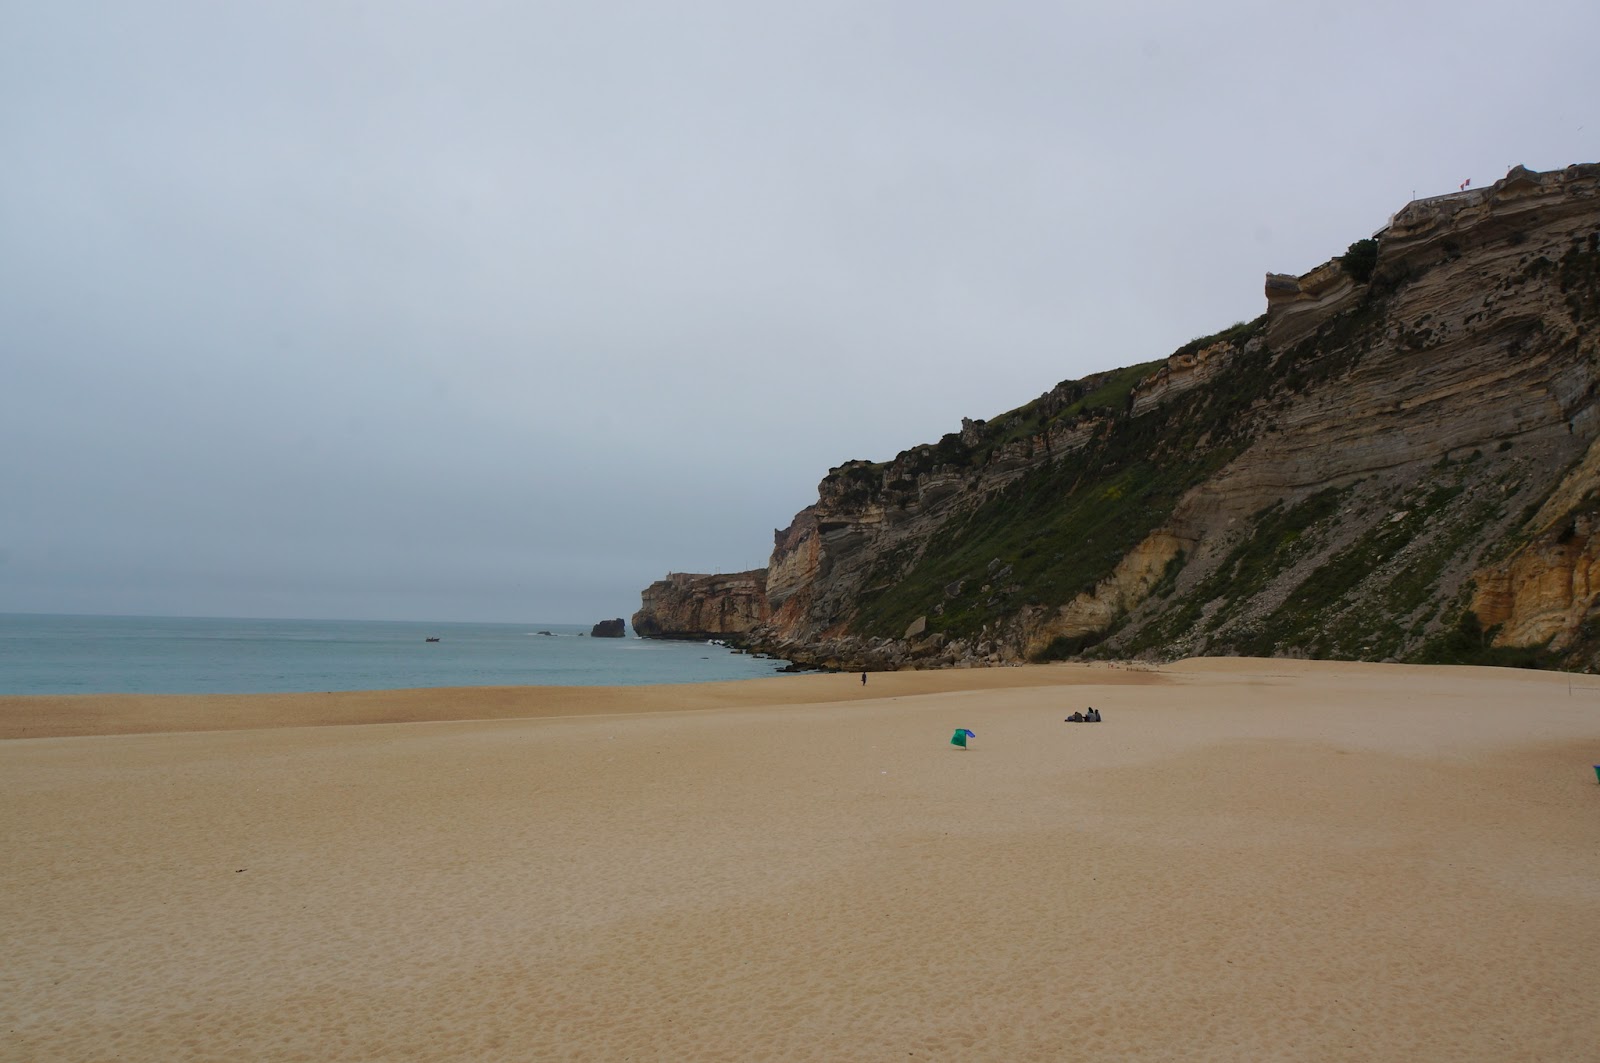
x: 609, y: 629
x: 1400, y: 460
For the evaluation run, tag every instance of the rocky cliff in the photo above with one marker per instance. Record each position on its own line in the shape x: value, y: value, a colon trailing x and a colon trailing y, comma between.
x: 1398, y: 460
x: 697, y: 607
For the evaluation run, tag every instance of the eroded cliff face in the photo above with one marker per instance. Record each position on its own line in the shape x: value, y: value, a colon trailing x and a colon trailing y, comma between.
x: 701, y: 606
x: 1546, y: 593
x: 1387, y: 450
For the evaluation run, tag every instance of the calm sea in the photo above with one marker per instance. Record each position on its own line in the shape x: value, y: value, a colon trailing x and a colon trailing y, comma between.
x: 169, y: 655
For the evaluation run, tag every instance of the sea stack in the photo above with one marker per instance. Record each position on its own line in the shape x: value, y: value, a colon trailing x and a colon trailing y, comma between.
x: 609, y: 629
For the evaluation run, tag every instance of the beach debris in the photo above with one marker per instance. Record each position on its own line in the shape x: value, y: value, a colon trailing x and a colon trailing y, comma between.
x: 959, y: 739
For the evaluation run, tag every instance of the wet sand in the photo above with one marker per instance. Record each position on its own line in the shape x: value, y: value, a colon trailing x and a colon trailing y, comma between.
x: 1247, y: 860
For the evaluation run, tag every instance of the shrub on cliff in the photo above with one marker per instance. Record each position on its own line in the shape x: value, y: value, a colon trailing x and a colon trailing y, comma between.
x: 1359, y: 260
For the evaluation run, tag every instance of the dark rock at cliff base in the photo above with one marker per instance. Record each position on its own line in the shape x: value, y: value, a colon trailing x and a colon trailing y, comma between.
x: 609, y: 629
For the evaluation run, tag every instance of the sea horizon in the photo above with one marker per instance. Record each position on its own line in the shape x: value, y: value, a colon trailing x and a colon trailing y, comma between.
x: 293, y: 619
x: 93, y: 653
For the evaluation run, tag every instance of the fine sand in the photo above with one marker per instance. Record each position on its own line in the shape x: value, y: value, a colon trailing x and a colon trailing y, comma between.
x: 1248, y: 860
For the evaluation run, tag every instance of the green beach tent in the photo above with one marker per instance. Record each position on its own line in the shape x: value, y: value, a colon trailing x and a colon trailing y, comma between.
x: 961, y: 736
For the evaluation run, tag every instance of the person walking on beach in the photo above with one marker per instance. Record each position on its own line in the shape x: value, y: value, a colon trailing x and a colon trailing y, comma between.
x: 863, y: 679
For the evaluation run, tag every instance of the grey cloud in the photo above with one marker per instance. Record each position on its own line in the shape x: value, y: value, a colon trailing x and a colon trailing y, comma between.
x: 503, y: 310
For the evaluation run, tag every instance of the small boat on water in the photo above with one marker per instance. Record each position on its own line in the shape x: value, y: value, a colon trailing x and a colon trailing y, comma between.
x: 431, y: 638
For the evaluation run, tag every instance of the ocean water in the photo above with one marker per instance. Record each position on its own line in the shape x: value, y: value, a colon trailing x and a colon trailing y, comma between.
x: 46, y: 654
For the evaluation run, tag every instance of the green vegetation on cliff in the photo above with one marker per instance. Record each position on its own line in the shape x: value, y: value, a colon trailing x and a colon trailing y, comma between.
x: 1103, y: 395
x: 1360, y: 260
x: 1345, y: 572
x: 1064, y: 525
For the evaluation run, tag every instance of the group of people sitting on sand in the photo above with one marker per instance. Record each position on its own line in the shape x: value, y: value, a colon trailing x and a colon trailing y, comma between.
x: 1092, y: 716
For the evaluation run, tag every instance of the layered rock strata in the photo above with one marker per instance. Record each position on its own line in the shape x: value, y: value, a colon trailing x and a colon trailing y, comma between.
x: 690, y: 606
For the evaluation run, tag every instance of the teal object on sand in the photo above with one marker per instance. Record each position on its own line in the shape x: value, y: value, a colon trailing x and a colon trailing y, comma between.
x: 961, y: 736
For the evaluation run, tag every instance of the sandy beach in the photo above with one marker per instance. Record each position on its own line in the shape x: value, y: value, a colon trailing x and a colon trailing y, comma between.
x: 1248, y: 860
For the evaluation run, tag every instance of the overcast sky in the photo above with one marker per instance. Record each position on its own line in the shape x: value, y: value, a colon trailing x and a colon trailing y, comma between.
x: 500, y: 311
